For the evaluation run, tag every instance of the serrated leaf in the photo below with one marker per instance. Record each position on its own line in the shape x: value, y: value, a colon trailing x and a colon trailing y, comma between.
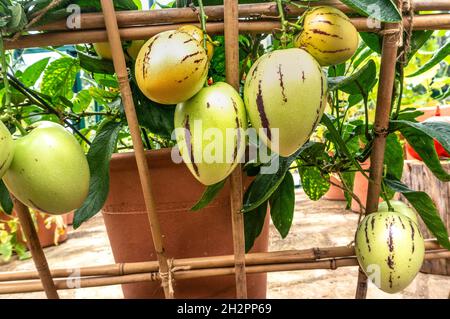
x: 59, y: 77
x: 282, y: 204
x: 208, y: 196
x: 98, y: 158
x: 34, y: 72
x: 253, y: 225
x: 425, y: 207
x: 313, y: 183
x: 81, y: 101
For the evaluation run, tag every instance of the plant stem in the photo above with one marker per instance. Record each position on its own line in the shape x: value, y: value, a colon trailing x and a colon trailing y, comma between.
x: 283, y: 23
x: 4, y: 64
x: 400, y: 94
x: 203, y: 18
x: 19, y: 126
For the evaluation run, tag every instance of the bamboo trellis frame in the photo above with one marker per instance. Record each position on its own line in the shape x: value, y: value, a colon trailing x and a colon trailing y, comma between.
x: 107, y: 29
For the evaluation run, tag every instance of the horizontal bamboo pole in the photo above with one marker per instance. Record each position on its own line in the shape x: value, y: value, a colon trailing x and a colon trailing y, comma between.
x: 276, y: 257
x: 214, y: 13
x: 83, y: 282
x: 421, y: 22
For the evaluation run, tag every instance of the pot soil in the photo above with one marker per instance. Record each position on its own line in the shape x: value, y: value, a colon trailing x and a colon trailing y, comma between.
x: 186, y: 234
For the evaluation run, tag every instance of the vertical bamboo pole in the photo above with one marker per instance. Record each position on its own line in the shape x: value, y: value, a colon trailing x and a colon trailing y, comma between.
x: 27, y: 225
x: 231, y: 32
x: 144, y: 174
x: 392, y: 34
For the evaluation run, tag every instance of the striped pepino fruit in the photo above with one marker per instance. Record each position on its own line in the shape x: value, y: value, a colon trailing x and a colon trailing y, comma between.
x: 399, y: 207
x: 285, y: 90
x: 328, y: 35
x: 6, y: 149
x: 210, y: 132
x: 171, y: 67
x: 390, y: 249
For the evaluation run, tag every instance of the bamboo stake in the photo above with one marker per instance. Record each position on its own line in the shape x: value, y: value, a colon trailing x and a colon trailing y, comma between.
x: 214, y: 13
x: 231, y: 32
x: 421, y: 22
x: 27, y: 225
x: 391, y: 40
x: 274, y: 257
x: 85, y: 282
x: 144, y: 174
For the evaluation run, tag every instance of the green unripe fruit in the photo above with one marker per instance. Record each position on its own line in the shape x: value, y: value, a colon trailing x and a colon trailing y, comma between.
x: 285, y: 90
x: 49, y: 171
x: 6, y: 149
x: 399, y: 207
x: 210, y: 132
x: 171, y: 67
x: 390, y: 249
x: 329, y: 35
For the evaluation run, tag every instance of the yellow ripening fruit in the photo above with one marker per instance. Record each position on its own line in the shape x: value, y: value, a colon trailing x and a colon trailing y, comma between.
x: 197, y: 34
x: 6, y: 149
x: 285, y: 90
x: 210, y: 132
x: 171, y: 67
x: 329, y: 35
x: 49, y: 171
x: 399, y: 207
x: 390, y: 249
x: 103, y: 49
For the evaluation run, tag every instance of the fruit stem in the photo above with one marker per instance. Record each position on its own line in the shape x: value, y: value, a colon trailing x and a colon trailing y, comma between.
x: 284, y: 37
x: 203, y: 18
x: 4, y: 64
x: 19, y: 126
x: 383, y: 188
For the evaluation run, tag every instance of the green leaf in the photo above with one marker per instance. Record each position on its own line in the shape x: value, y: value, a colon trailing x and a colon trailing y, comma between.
x: 440, y: 55
x: 59, y: 77
x: 383, y: 10
x: 265, y: 184
x: 340, y: 144
x: 373, y: 40
x: 33, y: 72
x: 209, y: 195
x: 157, y: 118
x: 313, y: 183
x: 418, y: 39
x: 98, y: 158
x: 95, y: 64
x: 425, y: 207
x: 18, y: 18
x: 282, y: 204
x: 360, y: 82
x: 420, y: 136
x: 82, y: 101
x: 253, y: 225
x: 6, y: 203
x: 349, y: 180
x: 393, y: 159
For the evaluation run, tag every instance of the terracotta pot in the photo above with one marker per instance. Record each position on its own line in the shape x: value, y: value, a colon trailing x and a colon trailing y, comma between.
x: 431, y: 111
x: 69, y: 218
x: 186, y: 234
x: 46, y: 236
x: 335, y: 193
x: 360, y: 187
